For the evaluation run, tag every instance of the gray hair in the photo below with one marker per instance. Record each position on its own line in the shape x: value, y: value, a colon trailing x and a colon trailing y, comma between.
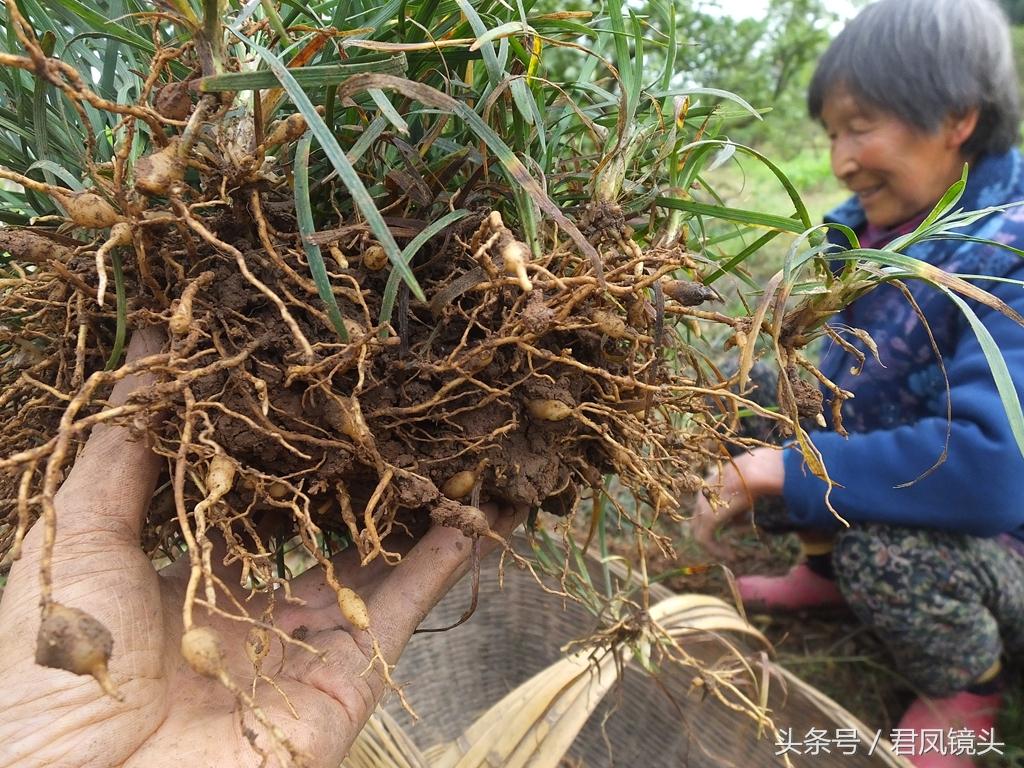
x: 924, y: 60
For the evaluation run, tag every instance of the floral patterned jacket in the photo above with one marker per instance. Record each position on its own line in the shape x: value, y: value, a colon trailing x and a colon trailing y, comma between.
x: 898, y: 419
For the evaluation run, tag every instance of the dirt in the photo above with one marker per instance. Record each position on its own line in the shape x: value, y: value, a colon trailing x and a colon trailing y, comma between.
x: 806, y: 397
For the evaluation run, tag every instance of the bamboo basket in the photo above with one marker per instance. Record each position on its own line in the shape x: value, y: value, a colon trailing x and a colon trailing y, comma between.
x: 501, y: 692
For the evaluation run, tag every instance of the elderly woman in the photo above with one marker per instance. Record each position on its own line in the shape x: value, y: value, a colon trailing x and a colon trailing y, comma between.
x: 909, y: 92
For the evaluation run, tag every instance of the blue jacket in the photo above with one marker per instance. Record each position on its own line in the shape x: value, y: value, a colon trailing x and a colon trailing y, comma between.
x: 897, y: 421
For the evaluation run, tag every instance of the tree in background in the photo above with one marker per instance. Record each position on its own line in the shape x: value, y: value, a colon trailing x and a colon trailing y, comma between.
x: 767, y: 61
x: 1014, y: 9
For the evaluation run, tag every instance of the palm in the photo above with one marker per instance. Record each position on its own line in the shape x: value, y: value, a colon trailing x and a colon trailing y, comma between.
x: 166, y: 704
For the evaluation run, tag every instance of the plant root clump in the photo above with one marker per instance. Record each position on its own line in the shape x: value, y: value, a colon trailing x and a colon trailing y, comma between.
x: 521, y: 396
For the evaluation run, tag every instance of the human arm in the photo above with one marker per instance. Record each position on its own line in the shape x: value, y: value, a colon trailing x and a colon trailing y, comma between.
x: 974, y: 491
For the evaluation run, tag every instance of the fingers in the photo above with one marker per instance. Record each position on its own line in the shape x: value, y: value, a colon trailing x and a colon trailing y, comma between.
x: 704, y: 525
x: 424, y: 576
x: 112, y: 481
x: 734, y: 498
x: 367, y: 580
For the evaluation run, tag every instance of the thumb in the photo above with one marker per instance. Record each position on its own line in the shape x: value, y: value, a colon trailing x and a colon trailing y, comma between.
x: 426, y: 574
x: 112, y: 481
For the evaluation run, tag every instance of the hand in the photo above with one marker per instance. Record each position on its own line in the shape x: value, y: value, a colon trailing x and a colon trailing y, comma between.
x: 739, y: 484
x: 170, y: 715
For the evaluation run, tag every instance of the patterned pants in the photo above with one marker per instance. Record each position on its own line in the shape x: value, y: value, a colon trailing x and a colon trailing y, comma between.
x: 946, y: 605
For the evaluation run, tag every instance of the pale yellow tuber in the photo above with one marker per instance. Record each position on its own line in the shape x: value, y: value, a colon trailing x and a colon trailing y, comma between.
x: 286, y: 131
x: 201, y: 647
x: 611, y: 325
x: 515, y: 255
x: 375, y: 258
x: 89, y: 211
x: 73, y: 640
x: 353, y: 609
x: 160, y: 173
x: 257, y: 645
x: 459, y: 485
x: 548, y: 410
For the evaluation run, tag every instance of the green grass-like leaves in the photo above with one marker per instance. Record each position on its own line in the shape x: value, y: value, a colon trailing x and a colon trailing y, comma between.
x: 304, y: 214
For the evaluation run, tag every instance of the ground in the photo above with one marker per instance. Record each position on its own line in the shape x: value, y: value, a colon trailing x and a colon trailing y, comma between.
x: 833, y: 652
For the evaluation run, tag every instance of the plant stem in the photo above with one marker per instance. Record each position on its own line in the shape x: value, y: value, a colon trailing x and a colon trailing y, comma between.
x: 211, y: 42
x: 275, y: 21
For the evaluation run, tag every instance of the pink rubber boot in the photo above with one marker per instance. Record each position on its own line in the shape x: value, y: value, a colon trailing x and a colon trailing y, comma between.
x: 799, y: 589
x: 967, y: 711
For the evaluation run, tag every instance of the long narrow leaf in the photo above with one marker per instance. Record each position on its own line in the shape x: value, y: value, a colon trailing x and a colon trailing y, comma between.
x: 718, y: 92
x: 336, y: 155
x: 122, y: 313
x: 110, y: 60
x: 1000, y: 373
x: 948, y: 200
x: 494, y: 69
x: 370, y: 134
x: 97, y: 22
x: 50, y: 167
x: 504, y: 30
x: 922, y: 270
x: 669, y: 9
x: 39, y: 122
x: 304, y: 216
x: 630, y: 84
x: 306, y: 77
x: 741, y: 216
x: 388, y: 110
x: 740, y: 257
x: 391, y: 289
x: 791, y: 190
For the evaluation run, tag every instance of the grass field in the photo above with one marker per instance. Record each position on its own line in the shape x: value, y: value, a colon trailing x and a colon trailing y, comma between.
x: 744, y: 182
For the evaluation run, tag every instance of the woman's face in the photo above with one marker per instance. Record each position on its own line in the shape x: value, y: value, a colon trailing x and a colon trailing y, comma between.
x: 895, y: 169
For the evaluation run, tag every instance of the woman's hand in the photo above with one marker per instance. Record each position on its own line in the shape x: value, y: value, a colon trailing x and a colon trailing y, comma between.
x: 739, y: 484
x: 170, y: 715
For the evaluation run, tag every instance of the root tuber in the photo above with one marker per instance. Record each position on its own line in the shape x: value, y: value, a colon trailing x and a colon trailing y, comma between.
x: 257, y: 645
x: 459, y: 485
x: 181, y: 318
x: 201, y: 647
x: 353, y: 609
x: 515, y: 255
x: 89, y: 211
x: 288, y: 130
x: 375, y: 258
x: 220, y: 478
x: 611, y: 325
x: 548, y: 410
x: 689, y: 293
x: 73, y: 640
x: 159, y: 173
